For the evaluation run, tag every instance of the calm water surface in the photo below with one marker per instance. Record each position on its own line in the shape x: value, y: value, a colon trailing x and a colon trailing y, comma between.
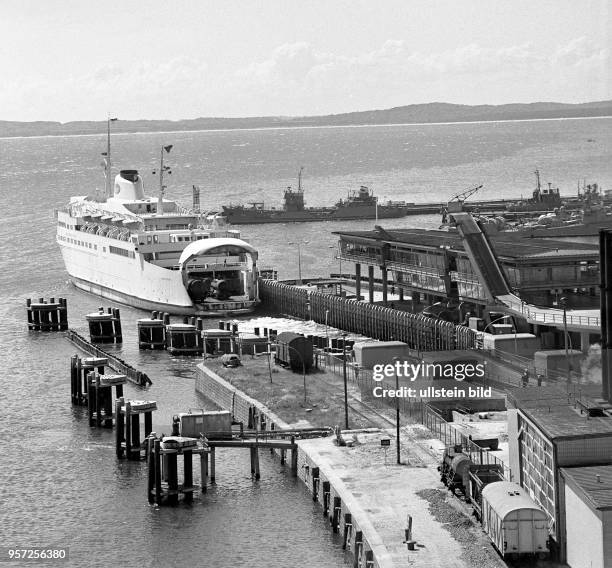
x: 60, y: 482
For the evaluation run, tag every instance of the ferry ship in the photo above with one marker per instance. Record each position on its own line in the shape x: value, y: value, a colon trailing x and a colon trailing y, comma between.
x: 154, y: 254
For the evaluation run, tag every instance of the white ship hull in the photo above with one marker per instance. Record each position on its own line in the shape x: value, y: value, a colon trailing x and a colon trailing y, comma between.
x: 117, y: 270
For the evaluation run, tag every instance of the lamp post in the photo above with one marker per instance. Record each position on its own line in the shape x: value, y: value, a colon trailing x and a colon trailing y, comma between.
x: 346, y: 421
x: 397, y: 412
x: 299, y: 250
x: 563, y: 302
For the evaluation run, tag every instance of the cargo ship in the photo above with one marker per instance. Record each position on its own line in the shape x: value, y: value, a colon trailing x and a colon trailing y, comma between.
x: 359, y: 204
x: 154, y: 254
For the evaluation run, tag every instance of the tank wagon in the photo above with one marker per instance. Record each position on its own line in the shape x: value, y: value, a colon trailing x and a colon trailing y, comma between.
x: 294, y: 350
x: 454, y: 469
x: 512, y: 520
x: 458, y: 472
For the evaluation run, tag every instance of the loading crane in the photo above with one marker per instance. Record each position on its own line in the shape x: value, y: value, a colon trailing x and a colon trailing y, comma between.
x: 455, y: 203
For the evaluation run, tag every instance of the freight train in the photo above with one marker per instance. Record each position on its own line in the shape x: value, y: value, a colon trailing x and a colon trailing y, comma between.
x: 516, y: 525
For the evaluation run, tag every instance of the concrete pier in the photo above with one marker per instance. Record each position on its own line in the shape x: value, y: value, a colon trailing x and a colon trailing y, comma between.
x: 365, y: 497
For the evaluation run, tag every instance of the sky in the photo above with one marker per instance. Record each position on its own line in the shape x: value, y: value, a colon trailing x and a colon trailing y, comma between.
x: 65, y: 60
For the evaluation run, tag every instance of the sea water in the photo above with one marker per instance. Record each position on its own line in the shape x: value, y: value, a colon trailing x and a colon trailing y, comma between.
x: 60, y: 482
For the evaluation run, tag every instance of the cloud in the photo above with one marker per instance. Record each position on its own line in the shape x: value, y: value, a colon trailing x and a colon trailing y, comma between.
x: 298, y: 78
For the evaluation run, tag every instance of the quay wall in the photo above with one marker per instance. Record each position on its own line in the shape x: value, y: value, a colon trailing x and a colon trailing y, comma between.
x: 419, y: 332
x: 361, y: 538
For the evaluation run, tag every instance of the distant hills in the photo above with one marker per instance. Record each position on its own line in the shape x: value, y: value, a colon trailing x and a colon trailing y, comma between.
x: 411, y: 114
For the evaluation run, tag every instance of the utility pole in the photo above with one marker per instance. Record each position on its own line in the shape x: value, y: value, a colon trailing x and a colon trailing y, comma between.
x: 346, y: 420
x: 397, y: 413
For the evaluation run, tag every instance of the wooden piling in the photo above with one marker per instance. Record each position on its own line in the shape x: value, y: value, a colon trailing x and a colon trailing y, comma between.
x: 188, y: 476
x: 157, y: 465
x: 335, y: 516
x: 357, y: 558
x: 120, y: 427
x: 172, y: 478
x: 294, y: 458
x: 151, y: 474
x: 212, y: 466
x: 326, y: 497
x: 348, y: 530
x: 204, y: 470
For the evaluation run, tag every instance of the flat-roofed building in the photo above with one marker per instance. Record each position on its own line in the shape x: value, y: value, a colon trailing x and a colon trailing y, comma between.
x: 587, y: 494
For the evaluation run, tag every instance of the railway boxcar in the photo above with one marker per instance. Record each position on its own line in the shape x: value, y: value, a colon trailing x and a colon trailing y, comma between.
x: 513, y: 521
x: 294, y: 350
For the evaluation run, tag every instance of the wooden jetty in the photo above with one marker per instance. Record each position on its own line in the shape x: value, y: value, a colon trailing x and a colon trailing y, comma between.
x: 116, y: 363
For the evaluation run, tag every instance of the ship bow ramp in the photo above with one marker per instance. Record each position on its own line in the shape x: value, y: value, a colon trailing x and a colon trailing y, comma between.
x: 219, y: 269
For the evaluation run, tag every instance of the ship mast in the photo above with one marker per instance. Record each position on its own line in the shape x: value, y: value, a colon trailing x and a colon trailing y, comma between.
x: 162, y: 168
x: 300, y: 178
x: 107, y: 160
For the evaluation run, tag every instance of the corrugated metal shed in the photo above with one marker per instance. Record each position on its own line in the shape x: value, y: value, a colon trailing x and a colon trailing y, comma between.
x: 505, y: 497
x: 593, y: 482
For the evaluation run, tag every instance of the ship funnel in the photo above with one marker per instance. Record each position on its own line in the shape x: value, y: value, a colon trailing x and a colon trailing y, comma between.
x: 128, y: 185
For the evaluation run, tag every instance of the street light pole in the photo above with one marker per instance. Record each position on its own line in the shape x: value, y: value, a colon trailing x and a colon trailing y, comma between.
x: 346, y: 421
x: 397, y: 413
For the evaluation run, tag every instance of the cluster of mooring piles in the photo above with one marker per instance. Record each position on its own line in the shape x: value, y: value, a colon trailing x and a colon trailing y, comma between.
x: 105, y: 326
x: 47, y: 315
x: 227, y: 339
x: 184, y: 338
x: 90, y: 386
